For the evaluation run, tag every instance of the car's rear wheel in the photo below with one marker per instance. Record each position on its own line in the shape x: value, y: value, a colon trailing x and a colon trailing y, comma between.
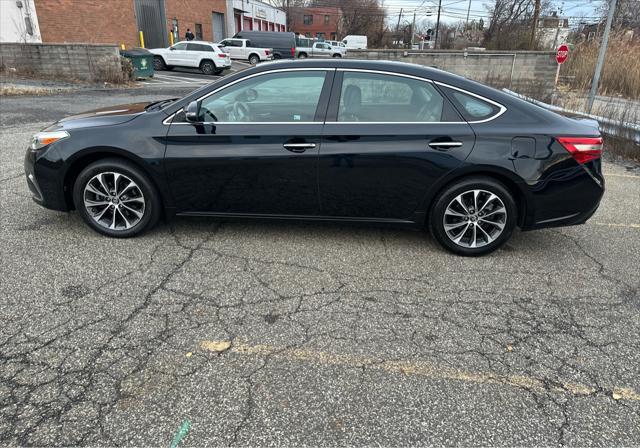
x: 473, y: 216
x: 208, y: 67
x: 158, y: 63
x: 254, y: 59
x: 337, y: 55
x: 302, y: 55
x: 115, y: 198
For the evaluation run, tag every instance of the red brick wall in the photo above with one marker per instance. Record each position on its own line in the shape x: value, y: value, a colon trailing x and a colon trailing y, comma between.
x: 190, y: 12
x: 318, y: 25
x: 91, y: 21
x: 114, y: 21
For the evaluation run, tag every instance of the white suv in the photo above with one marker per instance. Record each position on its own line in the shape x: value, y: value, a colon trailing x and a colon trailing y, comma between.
x: 206, y: 56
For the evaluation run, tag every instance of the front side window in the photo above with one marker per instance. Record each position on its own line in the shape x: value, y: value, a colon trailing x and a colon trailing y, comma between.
x: 373, y: 97
x: 273, y: 97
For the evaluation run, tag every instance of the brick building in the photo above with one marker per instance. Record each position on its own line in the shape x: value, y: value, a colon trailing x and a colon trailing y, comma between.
x: 118, y: 21
x: 323, y: 23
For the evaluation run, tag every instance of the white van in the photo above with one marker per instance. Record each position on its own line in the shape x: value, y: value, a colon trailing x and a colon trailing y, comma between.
x: 354, y: 42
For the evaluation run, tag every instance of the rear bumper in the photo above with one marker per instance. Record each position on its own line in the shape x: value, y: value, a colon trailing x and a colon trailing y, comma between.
x: 567, y: 201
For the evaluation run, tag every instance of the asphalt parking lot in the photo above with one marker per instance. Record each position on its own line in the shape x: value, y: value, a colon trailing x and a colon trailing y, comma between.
x: 285, y: 333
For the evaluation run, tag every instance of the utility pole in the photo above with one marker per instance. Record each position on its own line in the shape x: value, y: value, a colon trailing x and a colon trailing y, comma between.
x: 435, y: 43
x: 466, y: 24
x: 560, y: 23
x: 398, y: 28
x: 413, y: 29
x: 603, y: 51
x: 534, y: 25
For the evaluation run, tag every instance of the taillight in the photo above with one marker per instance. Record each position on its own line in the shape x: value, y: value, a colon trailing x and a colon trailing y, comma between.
x: 222, y: 55
x: 583, y: 149
x: 266, y: 52
x: 293, y: 52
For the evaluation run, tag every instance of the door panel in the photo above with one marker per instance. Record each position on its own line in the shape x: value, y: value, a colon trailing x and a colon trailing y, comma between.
x: 387, y: 140
x: 244, y: 168
x: 385, y: 170
x: 256, y: 148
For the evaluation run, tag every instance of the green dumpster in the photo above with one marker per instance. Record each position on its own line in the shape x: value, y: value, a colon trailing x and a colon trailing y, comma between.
x: 142, y: 61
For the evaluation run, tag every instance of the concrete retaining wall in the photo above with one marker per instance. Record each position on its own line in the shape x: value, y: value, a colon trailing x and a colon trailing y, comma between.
x: 85, y: 62
x: 516, y: 70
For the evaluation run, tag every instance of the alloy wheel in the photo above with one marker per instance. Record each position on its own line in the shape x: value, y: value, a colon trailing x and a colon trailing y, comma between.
x: 475, y: 218
x: 114, y: 201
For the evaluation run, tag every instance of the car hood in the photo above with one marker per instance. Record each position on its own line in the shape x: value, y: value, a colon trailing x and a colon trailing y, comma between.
x: 106, y: 116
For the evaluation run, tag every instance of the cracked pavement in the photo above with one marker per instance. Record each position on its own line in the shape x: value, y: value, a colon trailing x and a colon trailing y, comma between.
x: 287, y: 333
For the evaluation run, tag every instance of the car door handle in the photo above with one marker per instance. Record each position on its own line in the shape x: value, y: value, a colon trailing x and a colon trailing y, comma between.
x: 445, y: 145
x: 299, y: 147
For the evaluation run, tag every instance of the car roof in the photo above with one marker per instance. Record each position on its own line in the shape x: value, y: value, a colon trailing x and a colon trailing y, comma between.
x: 196, y: 42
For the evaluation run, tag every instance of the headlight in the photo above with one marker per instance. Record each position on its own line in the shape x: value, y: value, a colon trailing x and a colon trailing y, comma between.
x: 42, y: 139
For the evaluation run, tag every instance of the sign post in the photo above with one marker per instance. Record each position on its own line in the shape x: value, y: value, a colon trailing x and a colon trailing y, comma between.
x: 561, y: 56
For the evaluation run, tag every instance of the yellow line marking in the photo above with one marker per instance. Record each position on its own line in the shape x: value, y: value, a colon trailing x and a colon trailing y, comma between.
x: 414, y: 367
x: 621, y: 175
x: 613, y: 224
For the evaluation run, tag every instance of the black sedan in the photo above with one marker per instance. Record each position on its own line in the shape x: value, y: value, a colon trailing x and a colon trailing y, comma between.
x: 329, y: 140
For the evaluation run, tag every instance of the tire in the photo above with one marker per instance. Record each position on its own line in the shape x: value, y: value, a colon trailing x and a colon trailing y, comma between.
x: 254, y: 59
x: 302, y: 56
x: 134, y: 209
x: 207, y: 67
x: 462, y: 222
x: 337, y: 55
x: 218, y: 71
x: 277, y: 56
x: 158, y: 63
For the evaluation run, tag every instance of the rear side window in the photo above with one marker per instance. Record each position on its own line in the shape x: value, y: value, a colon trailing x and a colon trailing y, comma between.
x: 471, y: 107
x: 372, y: 97
x: 198, y: 47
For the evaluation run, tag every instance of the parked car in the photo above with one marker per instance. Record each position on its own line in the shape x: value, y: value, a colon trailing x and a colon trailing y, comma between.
x: 320, y: 50
x: 355, y: 42
x: 331, y: 139
x: 283, y: 44
x: 242, y: 49
x: 206, y: 56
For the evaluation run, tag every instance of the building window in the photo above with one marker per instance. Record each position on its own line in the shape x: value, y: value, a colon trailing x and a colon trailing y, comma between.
x: 308, y: 35
x: 333, y: 36
x: 198, y: 31
x: 308, y: 20
x: 320, y: 36
x: 326, y: 20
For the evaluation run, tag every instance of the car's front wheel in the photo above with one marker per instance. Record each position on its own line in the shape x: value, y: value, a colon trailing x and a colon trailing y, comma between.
x: 115, y: 198
x: 254, y: 59
x: 473, y: 216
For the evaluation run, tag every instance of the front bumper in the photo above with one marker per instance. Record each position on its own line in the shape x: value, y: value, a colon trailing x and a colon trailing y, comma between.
x: 43, y: 180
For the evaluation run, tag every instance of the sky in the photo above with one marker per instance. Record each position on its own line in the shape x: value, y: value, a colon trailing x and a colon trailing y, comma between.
x: 455, y: 10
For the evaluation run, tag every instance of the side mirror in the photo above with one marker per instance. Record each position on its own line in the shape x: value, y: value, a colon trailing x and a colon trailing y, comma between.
x: 191, y: 114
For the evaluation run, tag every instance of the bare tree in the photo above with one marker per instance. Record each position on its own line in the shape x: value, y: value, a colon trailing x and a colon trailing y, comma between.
x: 511, y: 23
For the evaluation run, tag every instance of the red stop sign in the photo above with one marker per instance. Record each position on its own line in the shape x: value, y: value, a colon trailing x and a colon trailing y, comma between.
x: 562, y: 53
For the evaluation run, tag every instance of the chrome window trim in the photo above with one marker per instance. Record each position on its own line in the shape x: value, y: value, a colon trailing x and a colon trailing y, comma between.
x: 503, y: 109
x: 167, y: 121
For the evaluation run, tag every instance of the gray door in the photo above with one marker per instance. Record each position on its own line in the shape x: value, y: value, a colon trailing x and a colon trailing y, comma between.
x: 218, y: 26
x: 151, y: 20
